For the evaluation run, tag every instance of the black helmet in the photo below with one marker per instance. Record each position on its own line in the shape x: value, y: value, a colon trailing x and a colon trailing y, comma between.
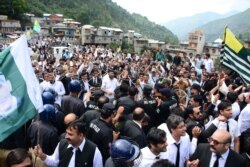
x: 74, y: 86
x: 48, y: 98
x: 48, y: 113
x: 123, y: 151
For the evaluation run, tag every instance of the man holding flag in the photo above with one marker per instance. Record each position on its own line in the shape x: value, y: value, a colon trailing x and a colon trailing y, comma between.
x: 17, y: 80
x: 235, y: 56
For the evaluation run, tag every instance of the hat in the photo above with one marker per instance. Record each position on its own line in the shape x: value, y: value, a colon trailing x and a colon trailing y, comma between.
x: 166, y: 92
x: 108, y: 109
x: 153, y: 69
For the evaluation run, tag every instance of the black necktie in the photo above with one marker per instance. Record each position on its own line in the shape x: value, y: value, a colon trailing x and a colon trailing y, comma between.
x: 177, y: 155
x: 216, y: 163
x: 228, y: 126
x: 157, y: 157
x: 78, y: 158
x: 68, y: 155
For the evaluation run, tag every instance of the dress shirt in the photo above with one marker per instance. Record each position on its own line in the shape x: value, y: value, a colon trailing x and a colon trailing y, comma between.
x: 222, y: 159
x: 244, y: 119
x: 148, y: 158
x: 235, y: 109
x: 233, y: 128
x: 186, y: 147
x: 108, y: 84
x: 59, y: 89
x: 53, y: 160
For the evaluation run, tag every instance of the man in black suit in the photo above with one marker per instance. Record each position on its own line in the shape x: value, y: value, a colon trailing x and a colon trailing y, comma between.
x: 194, y: 120
x: 133, y: 128
x: 95, y: 81
x: 218, y: 153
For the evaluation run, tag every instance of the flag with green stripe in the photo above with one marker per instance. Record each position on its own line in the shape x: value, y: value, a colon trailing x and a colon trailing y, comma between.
x: 235, y: 56
x: 20, y: 96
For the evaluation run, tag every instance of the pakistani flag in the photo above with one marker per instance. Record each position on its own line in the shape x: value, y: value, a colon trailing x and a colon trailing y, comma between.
x: 36, y: 26
x: 20, y: 96
x: 235, y: 56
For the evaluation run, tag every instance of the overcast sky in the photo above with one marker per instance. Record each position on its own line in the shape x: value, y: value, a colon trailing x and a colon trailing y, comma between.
x: 161, y: 11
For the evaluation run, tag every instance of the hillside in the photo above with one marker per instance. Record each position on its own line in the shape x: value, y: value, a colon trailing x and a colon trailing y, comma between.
x: 102, y: 13
x: 182, y: 26
x: 238, y: 23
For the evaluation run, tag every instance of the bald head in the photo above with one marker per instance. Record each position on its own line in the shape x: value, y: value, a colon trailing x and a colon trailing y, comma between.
x: 223, y: 135
x: 69, y: 118
x: 138, y: 114
x: 220, y: 141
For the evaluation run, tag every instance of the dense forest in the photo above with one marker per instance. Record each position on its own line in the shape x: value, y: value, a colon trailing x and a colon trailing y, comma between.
x: 94, y: 12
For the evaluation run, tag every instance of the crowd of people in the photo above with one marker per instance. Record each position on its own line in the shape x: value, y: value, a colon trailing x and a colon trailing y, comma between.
x: 115, y: 109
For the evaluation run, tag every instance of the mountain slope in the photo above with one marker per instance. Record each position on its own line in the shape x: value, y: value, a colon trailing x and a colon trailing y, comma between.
x: 239, y: 24
x: 102, y: 13
x: 182, y: 26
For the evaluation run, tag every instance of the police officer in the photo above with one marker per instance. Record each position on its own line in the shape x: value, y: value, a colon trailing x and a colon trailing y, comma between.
x: 49, y: 98
x: 149, y: 105
x: 165, y: 103
x: 92, y: 103
x: 101, y: 132
x: 48, y: 136
x: 95, y: 113
x: 124, y: 154
x: 71, y: 103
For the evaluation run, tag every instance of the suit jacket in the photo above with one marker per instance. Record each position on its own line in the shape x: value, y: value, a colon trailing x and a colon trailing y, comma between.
x: 98, y: 84
x: 205, y: 133
x: 132, y: 130
x: 204, y: 154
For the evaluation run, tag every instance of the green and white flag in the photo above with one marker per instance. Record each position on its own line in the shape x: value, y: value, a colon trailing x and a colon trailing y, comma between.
x: 20, y: 96
x: 235, y: 56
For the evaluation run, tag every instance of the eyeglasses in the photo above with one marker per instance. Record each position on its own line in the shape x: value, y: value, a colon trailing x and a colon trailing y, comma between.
x: 216, y: 142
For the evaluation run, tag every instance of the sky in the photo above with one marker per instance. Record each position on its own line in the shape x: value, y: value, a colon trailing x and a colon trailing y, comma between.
x: 161, y: 11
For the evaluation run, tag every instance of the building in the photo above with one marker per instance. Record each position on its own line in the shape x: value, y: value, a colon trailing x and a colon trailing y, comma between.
x: 106, y: 35
x: 52, y: 19
x: 101, y: 35
x: 9, y: 26
x: 156, y: 44
x: 213, y: 48
x: 196, y: 41
x: 88, y: 34
x: 139, y: 44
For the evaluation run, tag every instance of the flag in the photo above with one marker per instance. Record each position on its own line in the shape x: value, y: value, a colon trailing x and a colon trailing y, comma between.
x: 235, y: 56
x: 36, y: 26
x: 20, y: 96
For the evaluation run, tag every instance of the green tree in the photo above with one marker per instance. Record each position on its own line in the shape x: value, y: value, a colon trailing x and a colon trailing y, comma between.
x: 13, y: 8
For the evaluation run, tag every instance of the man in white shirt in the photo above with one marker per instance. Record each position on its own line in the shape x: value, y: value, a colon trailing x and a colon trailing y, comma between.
x: 75, y: 150
x: 244, y: 117
x: 229, y: 124
x: 208, y: 62
x: 58, y: 87
x: 179, y: 146
x: 156, y: 149
x: 109, y: 83
x: 45, y: 84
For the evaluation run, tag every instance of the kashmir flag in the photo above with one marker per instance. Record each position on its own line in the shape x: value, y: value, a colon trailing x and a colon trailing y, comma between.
x: 235, y: 56
x: 20, y: 96
x: 36, y: 26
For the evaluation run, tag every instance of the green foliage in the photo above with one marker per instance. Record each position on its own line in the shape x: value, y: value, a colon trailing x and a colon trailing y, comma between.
x: 13, y: 8
x: 102, y: 13
x: 113, y: 45
x: 126, y: 47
